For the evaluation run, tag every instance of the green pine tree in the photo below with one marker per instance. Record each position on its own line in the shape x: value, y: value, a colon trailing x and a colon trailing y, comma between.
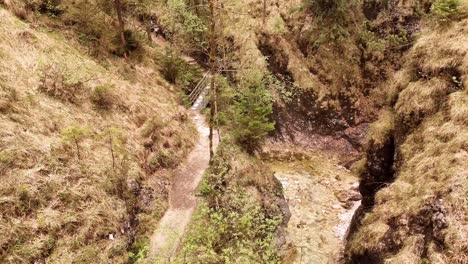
x: 252, y: 115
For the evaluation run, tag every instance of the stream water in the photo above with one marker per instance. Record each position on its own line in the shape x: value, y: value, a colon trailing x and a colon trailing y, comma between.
x: 322, y: 198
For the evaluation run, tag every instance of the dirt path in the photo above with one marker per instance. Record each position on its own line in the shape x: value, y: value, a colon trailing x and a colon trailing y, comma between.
x: 322, y: 201
x: 182, y: 199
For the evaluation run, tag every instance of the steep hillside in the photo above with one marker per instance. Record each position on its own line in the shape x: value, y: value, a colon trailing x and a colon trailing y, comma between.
x: 86, y: 148
x: 414, y: 176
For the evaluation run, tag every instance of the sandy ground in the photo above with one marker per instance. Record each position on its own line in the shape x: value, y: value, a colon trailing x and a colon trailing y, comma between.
x: 319, y: 221
x: 182, y: 199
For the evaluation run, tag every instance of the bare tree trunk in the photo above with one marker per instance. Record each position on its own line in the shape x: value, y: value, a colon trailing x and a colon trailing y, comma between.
x: 264, y: 11
x: 195, y: 5
x: 77, y: 148
x: 212, y: 70
x: 148, y: 33
x: 112, y: 151
x: 118, y: 9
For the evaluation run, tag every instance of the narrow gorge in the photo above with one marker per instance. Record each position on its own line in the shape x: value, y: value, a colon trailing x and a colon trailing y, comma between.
x: 233, y: 131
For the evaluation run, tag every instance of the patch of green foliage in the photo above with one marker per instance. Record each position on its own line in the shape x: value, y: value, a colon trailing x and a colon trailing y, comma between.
x: 132, y: 43
x: 58, y: 81
x: 331, y: 16
x: 375, y: 42
x: 225, y: 96
x: 49, y: 7
x: 446, y: 10
x: 232, y: 225
x: 163, y: 159
x: 283, y: 88
x: 205, y: 188
x: 185, y: 23
x: 240, y: 233
x: 177, y: 71
x: 252, y: 114
x: 75, y: 135
x: 372, y: 41
x: 328, y: 8
x: 139, y: 251
x: 103, y: 96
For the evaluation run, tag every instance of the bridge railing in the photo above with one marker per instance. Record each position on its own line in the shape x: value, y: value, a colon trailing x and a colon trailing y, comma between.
x: 198, y: 89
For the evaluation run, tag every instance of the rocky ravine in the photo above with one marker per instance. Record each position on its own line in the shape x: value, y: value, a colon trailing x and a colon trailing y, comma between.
x: 322, y: 197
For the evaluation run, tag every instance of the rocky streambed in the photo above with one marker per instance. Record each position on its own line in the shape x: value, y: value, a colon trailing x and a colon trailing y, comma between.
x: 322, y: 198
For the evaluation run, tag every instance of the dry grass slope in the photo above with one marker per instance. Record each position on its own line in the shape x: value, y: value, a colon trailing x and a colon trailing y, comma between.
x: 73, y: 173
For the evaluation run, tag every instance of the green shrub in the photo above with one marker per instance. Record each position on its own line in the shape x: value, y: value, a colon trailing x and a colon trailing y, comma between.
x: 75, y: 135
x: 6, y: 160
x: 252, y: 115
x: 115, y: 140
x: 331, y: 18
x: 446, y: 10
x: 374, y: 42
x: 176, y: 71
x: 163, y: 159
x: 190, y: 27
x: 131, y: 41
x: 138, y: 252
x: 152, y: 126
x: 205, y: 187
x: 225, y: 97
x: 333, y: 9
x: 56, y: 82
x: 103, y: 96
x: 326, y: 8
x: 242, y: 230
x: 49, y: 7
x: 396, y: 40
x: 171, y: 65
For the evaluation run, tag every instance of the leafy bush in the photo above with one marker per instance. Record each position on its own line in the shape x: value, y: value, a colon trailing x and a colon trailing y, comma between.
x: 151, y: 126
x: 139, y: 252
x: 395, y: 40
x: 331, y: 18
x: 205, y: 187
x: 131, y: 43
x: 75, y: 135
x: 103, y: 96
x: 48, y: 7
x: 252, y: 115
x: 6, y: 159
x: 176, y: 71
x: 185, y: 24
x: 242, y: 230
x: 225, y: 97
x: 57, y: 83
x: 374, y: 42
x: 335, y: 9
x: 163, y: 159
x: 446, y: 10
x: 171, y: 66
